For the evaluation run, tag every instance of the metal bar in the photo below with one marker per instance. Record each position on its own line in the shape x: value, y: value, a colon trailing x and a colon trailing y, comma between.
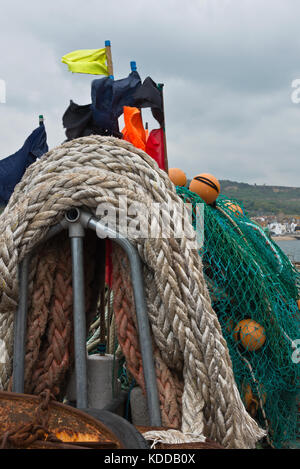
x: 141, y: 313
x: 102, y: 346
x: 20, y: 325
x: 54, y: 230
x: 76, y: 234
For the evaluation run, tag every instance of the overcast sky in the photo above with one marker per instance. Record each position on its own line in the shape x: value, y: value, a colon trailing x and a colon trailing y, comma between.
x: 227, y: 66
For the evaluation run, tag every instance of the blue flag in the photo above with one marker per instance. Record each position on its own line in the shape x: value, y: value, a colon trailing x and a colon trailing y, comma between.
x: 79, y: 122
x: 110, y: 96
x: 101, y: 116
x: 13, y: 167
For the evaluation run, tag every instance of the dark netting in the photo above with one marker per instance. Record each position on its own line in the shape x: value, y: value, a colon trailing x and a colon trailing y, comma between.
x: 254, y: 290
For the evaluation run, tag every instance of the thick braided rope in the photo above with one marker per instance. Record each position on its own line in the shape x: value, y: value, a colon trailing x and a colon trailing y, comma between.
x: 49, y: 347
x: 39, y: 310
x: 169, y: 386
x: 91, y: 170
x: 55, y: 355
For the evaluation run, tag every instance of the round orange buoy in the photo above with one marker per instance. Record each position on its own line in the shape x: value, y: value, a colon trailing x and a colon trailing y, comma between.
x: 251, y: 334
x: 235, y: 208
x: 177, y: 176
x: 252, y: 401
x: 206, y: 186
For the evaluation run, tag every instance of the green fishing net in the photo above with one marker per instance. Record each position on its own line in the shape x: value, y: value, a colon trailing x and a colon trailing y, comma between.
x: 254, y: 290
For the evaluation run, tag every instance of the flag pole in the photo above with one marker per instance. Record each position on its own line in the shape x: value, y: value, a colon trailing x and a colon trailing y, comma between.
x: 110, y: 65
x: 133, y: 68
x: 160, y: 86
x: 108, y: 243
x: 109, y: 59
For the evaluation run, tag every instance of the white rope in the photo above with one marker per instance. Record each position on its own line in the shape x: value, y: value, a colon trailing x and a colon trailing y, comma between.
x: 171, y: 437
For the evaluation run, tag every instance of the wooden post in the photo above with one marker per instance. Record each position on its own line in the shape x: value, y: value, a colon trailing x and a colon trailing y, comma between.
x: 160, y: 86
x: 110, y: 66
x: 109, y: 59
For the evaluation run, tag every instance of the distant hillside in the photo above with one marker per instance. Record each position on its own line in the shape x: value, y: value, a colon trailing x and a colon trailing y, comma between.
x: 264, y: 200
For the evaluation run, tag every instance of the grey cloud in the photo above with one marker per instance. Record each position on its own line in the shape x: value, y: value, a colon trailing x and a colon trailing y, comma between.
x: 227, y: 67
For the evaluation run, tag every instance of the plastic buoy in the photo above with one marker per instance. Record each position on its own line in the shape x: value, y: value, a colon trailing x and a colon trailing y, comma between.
x: 251, y: 334
x: 252, y: 401
x: 235, y: 208
x: 206, y: 186
x: 177, y: 176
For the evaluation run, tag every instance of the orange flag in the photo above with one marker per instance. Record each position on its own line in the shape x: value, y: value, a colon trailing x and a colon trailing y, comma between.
x: 134, y: 131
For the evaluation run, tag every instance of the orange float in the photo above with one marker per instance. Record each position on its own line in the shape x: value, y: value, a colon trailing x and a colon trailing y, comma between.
x: 206, y: 186
x: 235, y: 208
x: 252, y: 401
x: 250, y: 334
x: 177, y: 176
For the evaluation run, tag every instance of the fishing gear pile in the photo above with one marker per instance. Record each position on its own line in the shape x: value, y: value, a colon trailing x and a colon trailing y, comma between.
x: 186, y: 332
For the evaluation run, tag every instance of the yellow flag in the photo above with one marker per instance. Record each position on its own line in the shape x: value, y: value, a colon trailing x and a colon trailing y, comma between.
x: 91, y: 61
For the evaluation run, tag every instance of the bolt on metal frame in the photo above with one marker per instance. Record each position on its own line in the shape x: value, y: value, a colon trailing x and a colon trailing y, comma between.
x: 76, y: 221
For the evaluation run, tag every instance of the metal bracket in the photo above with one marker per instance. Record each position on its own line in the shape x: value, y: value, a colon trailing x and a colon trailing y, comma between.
x: 76, y: 221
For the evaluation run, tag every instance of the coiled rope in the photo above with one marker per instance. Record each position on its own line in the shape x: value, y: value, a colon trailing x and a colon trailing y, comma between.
x: 186, y: 333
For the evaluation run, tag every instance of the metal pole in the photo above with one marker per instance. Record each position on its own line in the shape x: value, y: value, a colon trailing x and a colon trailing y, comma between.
x: 160, y: 86
x: 141, y: 313
x: 76, y: 233
x: 20, y: 325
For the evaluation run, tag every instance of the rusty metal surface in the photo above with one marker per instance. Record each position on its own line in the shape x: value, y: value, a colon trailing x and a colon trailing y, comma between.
x: 73, y: 427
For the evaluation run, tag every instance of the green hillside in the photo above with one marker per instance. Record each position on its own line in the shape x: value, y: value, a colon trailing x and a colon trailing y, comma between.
x: 264, y: 200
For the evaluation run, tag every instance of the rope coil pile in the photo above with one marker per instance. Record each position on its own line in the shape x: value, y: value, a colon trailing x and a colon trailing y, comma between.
x: 187, y: 337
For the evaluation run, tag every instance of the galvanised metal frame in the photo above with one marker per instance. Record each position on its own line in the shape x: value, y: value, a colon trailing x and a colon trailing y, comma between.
x: 76, y: 221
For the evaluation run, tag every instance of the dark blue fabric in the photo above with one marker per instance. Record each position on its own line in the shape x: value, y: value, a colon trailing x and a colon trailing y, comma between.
x: 13, y: 167
x: 108, y: 98
x: 149, y: 95
x: 79, y: 122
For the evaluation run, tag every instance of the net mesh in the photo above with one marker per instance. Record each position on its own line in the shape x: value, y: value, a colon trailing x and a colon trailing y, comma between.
x: 254, y: 290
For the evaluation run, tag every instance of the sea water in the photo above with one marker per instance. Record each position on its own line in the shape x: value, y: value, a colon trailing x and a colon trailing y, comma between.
x: 291, y: 248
